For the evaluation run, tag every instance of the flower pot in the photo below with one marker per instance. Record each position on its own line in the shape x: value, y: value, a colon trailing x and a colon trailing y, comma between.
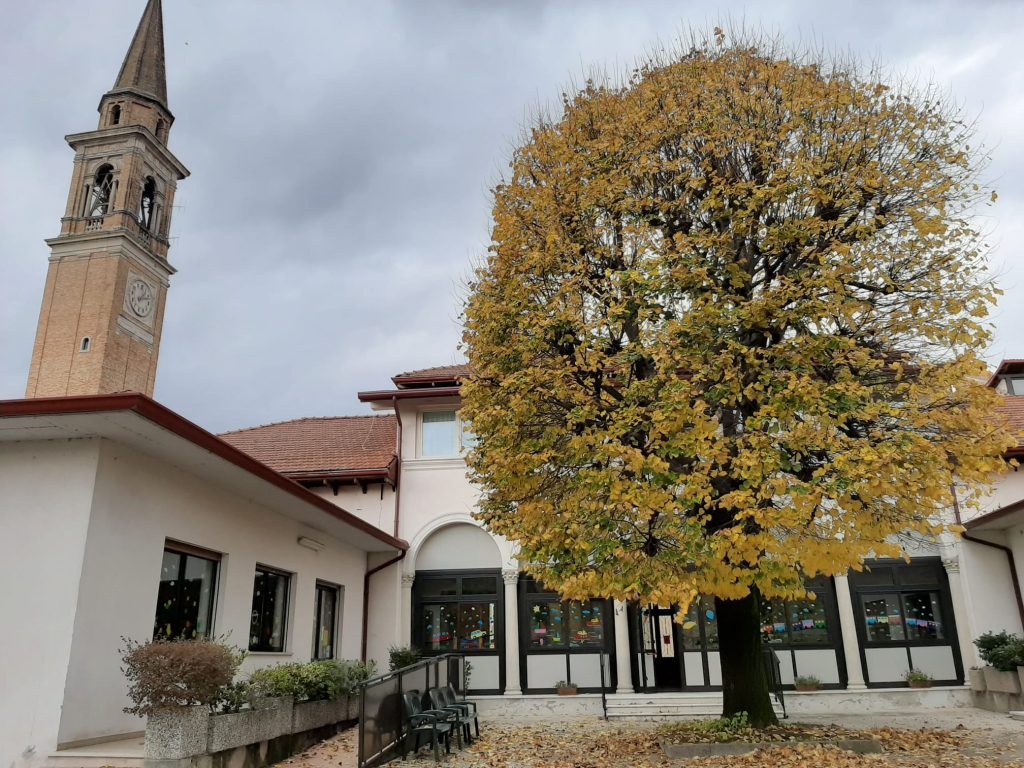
x: 567, y: 691
x: 1002, y: 682
x: 806, y: 688
x: 977, y: 679
x: 919, y: 683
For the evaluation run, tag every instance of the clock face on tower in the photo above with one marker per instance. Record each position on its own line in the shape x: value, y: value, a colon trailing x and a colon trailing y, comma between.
x: 140, y: 298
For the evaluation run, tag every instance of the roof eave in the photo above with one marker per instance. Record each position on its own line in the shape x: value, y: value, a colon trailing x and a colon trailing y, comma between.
x: 387, y: 395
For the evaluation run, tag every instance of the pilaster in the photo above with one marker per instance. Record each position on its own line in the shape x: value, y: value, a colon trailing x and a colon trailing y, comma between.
x: 511, y: 578
x: 848, y: 626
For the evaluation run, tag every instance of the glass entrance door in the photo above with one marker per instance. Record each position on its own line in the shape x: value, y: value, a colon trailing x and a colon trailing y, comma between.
x: 673, y: 652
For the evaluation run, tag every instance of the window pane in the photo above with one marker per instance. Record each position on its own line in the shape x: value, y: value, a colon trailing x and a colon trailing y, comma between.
x: 918, y: 575
x: 184, y: 608
x: 468, y: 438
x: 808, y: 624
x: 691, y: 628
x: 439, y: 587
x: 269, y: 611
x: 326, y: 609
x: 710, y: 619
x: 476, y: 627
x: 546, y: 625
x: 876, y: 577
x: 586, y: 625
x: 883, y: 618
x: 480, y: 585
x: 773, y: 621
x: 439, y: 623
x: 439, y: 434
x: 924, y: 618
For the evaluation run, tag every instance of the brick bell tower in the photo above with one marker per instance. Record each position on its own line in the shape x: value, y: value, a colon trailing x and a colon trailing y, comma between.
x: 103, y: 305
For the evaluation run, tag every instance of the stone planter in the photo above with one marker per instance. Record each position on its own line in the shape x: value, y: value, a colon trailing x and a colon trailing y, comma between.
x: 250, y: 726
x: 316, y: 714
x: 352, y: 711
x: 1020, y: 675
x: 977, y: 679
x: 919, y: 683
x: 568, y: 690
x: 1002, y: 682
x: 806, y: 688
x: 177, y: 732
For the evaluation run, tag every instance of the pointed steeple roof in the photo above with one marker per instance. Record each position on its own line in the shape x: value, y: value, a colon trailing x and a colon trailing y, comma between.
x: 143, y: 68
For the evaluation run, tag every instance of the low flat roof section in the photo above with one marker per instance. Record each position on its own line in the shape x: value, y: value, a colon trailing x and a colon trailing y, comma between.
x: 139, y: 422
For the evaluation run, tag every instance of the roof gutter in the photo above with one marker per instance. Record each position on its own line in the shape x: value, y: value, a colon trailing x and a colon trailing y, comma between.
x: 1006, y: 550
x: 391, y: 395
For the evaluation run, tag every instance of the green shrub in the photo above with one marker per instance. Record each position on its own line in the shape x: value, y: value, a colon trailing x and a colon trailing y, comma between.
x: 1002, y: 650
x: 177, y: 673
x: 315, y: 681
x: 402, y: 656
x: 916, y: 675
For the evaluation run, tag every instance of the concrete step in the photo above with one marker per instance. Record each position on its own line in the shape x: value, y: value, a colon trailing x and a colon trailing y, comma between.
x: 666, y: 706
x: 90, y: 761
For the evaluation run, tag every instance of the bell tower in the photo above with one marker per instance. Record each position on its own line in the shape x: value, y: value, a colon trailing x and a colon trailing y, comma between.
x: 103, y: 304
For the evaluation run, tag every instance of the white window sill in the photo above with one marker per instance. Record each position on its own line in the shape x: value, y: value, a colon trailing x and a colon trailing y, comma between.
x: 269, y: 653
x: 448, y: 462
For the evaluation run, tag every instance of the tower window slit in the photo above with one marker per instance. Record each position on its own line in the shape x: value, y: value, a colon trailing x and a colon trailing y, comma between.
x: 115, y: 114
x: 86, y: 344
x: 101, y: 192
x: 147, y: 206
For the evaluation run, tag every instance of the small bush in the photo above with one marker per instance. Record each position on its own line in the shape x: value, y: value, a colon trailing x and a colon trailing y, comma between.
x: 177, y: 673
x: 809, y: 681
x: 402, y: 656
x: 234, y: 697
x: 916, y: 675
x: 1002, y: 650
x: 315, y: 681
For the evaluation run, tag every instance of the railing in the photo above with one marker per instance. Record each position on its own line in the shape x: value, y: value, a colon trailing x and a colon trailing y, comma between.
x: 773, y: 671
x: 381, y: 716
x: 606, y: 681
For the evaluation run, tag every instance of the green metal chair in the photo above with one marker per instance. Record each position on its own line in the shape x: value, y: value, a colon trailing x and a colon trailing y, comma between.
x: 420, y: 723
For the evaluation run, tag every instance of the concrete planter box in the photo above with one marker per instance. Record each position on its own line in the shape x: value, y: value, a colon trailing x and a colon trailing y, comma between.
x: 1002, y: 682
x: 177, y: 732
x: 316, y: 714
x: 1020, y: 675
x: 271, y: 719
x: 977, y: 679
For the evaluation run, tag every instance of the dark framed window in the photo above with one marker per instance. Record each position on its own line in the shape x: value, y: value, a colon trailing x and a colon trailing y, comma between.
x: 699, y: 629
x: 325, y: 617
x: 269, y: 622
x: 185, y: 598
x: 457, y: 611
x: 900, y: 604
x: 802, y: 623
x: 558, y: 625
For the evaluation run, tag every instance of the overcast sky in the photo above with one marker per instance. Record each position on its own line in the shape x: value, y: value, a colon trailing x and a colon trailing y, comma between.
x: 342, y: 155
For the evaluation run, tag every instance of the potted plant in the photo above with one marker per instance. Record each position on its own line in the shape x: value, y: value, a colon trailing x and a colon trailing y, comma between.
x: 1003, y: 652
x: 917, y: 678
x: 566, y: 688
x: 806, y: 683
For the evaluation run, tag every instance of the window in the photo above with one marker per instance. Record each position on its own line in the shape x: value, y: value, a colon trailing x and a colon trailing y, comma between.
x: 85, y: 345
x: 902, y: 604
x: 161, y: 128
x: 147, y: 205
x: 797, y: 623
x: 326, y: 621
x: 269, y: 620
x: 184, y: 605
x: 115, y: 114
x: 700, y: 625
x: 457, y: 612
x: 444, y: 434
x: 101, y: 192
x: 559, y: 624
x: 1015, y: 385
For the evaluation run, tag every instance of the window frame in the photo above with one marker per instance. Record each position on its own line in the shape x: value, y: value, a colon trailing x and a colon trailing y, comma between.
x: 286, y: 612
x: 461, y: 427
x: 941, y: 587
x: 824, y: 590
x: 319, y: 588
x: 420, y: 600
x: 186, y: 551
x: 532, y: 593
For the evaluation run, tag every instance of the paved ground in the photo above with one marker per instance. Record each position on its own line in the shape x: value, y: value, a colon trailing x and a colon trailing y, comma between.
x: 973, y: 738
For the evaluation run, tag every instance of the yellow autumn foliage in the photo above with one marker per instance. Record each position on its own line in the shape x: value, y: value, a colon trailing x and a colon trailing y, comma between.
x: 727, y: 333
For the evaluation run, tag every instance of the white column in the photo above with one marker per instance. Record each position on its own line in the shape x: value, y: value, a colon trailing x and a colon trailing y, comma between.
x: 623, y: 671
x: 848, y: 625
x: 968, y: 653
x: 405, y: 620
x: 511, y: 578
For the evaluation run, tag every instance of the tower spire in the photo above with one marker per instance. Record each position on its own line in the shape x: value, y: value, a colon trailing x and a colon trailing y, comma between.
x: 143, y: 69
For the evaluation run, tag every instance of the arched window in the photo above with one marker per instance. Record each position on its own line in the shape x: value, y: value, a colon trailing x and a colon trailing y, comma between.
x: 101, y: 192
x: 161, y: 126
x: 115, y: 114
x: 86, y: 344
x: 147, y: 206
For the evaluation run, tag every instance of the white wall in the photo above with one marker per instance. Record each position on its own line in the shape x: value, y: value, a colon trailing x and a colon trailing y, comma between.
x: 376, y: 506
x: 1006, y: 488
x: 139, y: 503
x: 988, y: 590
x: 45, y: 493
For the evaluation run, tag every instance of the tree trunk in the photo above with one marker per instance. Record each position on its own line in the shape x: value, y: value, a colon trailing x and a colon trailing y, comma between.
x: 744, y: 677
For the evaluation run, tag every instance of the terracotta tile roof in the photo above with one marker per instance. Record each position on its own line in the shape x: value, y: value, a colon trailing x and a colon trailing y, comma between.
x: 440, y: 373
x: 1013, y: 409
x: 321, y: 445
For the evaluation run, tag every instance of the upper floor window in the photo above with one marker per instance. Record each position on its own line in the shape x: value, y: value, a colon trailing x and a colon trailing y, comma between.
x: 443, y: 434
x: 115, y: 114
x: 101, y: 192
x: 147, y: 206
x: 1015, y: 385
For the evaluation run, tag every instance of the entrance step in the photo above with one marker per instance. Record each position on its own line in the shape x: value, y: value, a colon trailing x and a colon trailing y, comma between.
x: 666, y: 706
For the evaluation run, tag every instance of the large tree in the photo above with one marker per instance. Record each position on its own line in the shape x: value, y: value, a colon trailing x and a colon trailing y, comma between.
x: 725, y: 337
